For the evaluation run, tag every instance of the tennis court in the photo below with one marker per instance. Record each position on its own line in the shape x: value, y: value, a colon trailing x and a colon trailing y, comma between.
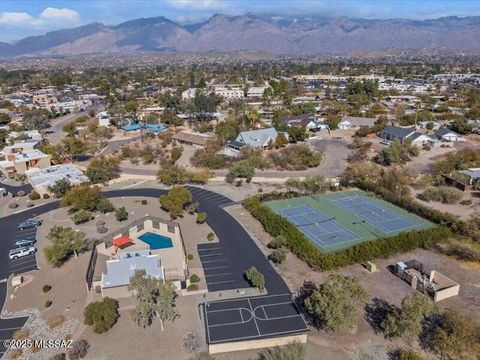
x: 322, y: 230
x: 375, y: 214
x: 338, y: 220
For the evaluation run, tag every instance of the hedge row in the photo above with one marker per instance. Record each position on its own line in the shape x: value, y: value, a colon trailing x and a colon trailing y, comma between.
x: 275, y: 225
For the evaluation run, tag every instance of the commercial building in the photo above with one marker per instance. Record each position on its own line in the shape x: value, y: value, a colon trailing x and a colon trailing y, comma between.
x: 42, y: 179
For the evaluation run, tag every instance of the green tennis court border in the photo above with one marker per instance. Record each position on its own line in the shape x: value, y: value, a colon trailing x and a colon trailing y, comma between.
x: 324, y: 203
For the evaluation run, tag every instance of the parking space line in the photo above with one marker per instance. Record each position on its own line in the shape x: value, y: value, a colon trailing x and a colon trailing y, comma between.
x: 210, y: 255
x: 229, y: 273
x: 25, y: 267
x: 210, y: 261
x: 209, y: 249
x: 217, y: 267
x: 220, y: 282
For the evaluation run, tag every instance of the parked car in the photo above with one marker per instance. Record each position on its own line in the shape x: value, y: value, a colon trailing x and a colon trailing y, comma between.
x: 28, y: 224
x: 21, y: 252
x: 29, y: 241
x: 385, y: 142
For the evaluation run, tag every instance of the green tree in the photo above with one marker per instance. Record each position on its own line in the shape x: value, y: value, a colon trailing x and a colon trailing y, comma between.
x: 36, y: 119
x: 4, y: 119
x: 78, y: 350
x: 278, y: 256
x: 292, y: 351
x: 60, y: 187
x: 407, y: 321
x: 201, y: 218
x: 461, y: 126
x: 81, y: 217
x: 176, y: 200
x: 240, y: 169
x: 102, y: 315
x: 334, y: 305
x: 64, y: 242
x: 397, y: 153
x: 152, y: 297
x: 70, y: 128
x: 296, y: 134
x: 456, y: 336
x: 333, y: 121
x: 121, y: 214
x: 82, y: 197
x: 73, y: 147
x: 256, y: 278
x: 103, y: 169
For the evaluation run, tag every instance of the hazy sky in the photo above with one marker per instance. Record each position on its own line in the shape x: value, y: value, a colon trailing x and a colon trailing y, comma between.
x: 20, y: 18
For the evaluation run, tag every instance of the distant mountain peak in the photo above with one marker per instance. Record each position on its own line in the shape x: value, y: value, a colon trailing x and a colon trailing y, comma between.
x: 288, y: 35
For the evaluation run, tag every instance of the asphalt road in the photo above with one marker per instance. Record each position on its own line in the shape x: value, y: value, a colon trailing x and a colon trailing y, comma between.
x: 237, y: 246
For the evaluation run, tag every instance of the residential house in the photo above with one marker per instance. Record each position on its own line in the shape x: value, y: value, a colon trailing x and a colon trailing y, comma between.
x: 475, y: 124
x: 13, y: 136
x: 197, y: 140
x: 20, y: 162
x: 353, y: 122
x: 229, y: 92
x: 473, y: 175
x: 103, y: 118
x: 189, y: 93
x: 260, y: 138
x: 42, y: 179
x: 304, y: 121
x: 391, y: 133
x: 256, y: 92
x: 445, y: 134
x: 424, y: 125
x: 115, y: 281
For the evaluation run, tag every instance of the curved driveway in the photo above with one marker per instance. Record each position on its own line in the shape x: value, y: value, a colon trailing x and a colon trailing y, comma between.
x: 237, y: 245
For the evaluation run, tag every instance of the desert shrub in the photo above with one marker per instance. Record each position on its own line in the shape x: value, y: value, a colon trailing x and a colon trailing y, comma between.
x: 210, y: 236
x: 466, y: 202
x: 192, y: 287
x: 60, y: 356
x: 291, y: 351
x: 34, y: 195
x: 278, y: 242
x: 121, y: 214
x: 201, y: 218
x: 46, y: 288
x: 46, y: 196
x: 194, y: 278
x: 100, y: 223
x: 239, y: 183
x: 12, y: 205
x: 102, y: 229
x: 190, y: 256
x: 102, y: 315
x: 443, y: 194
x: 255, y: 278
x: 144, y: 202
x: 82, y: 216
x: 296, y: 241
x: 191, y: 343
x: 175, y: 154
x: 56, y: 321
x: 174, y: 174
x: 240, y: 169
x: 78, y: 350
x: 20, y: 334
x: 278, y: 256
x: 105, y: 206
x: 48, y: 303
x: 296, y: 157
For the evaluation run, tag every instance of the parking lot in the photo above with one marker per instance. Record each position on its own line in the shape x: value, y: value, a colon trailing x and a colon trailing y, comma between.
x: 219, y: 273
x: 26, y: 263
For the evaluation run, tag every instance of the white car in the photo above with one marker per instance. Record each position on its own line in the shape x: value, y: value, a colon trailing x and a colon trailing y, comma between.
x: 385, y: 142
x: 21, y: 252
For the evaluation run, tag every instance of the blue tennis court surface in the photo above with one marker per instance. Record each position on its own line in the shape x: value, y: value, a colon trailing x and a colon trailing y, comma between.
x: 320, y: 229
x: 373, y: 213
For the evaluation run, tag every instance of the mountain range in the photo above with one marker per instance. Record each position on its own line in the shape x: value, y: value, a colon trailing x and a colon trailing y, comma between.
x: 299, y: 36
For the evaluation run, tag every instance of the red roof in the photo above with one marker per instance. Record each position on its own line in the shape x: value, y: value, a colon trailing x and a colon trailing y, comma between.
x: 122, y: 241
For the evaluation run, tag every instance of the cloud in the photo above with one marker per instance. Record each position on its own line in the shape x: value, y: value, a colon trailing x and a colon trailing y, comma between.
x: 47, y: 17
x: 59, y: 14
x: 197, y: 4
x: 16, y: 18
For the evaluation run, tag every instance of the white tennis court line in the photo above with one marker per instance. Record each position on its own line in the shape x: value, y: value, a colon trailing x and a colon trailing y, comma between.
x: 258, y: 336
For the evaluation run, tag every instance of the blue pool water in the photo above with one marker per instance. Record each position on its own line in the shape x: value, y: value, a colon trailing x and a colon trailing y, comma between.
x: 156, y: 241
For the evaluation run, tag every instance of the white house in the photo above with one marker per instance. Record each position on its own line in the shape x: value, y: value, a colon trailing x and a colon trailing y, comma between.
x: 256, y: 92
x: 353, y: 122
x: 189, y: 93
x: 446, y: 134
x: 229, y: 92
x: 42, y: 179
x: 103, y: 118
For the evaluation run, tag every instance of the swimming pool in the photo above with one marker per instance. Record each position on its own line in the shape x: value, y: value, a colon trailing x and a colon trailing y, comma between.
x: 156, y: 241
